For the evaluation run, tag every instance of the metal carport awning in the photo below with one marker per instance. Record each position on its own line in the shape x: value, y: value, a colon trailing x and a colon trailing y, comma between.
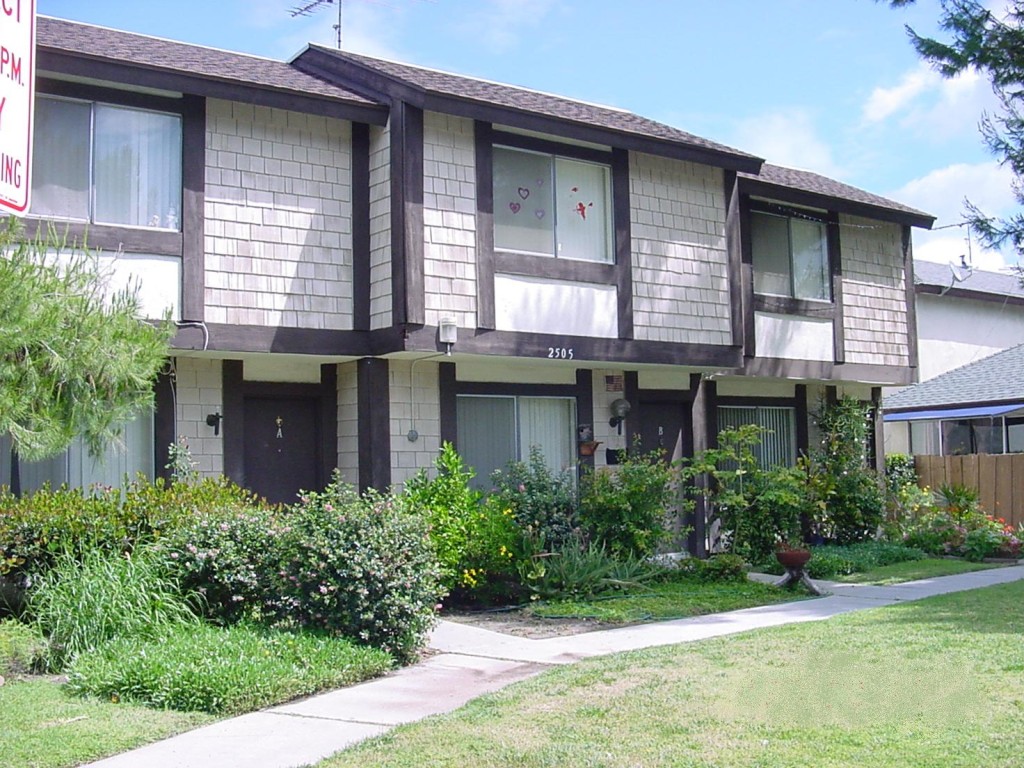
x: 954, y: 413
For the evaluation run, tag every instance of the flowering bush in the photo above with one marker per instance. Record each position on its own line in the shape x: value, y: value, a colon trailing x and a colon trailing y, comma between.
x: 543, y: 502
x: 362, y: 567
x: 969, y: 533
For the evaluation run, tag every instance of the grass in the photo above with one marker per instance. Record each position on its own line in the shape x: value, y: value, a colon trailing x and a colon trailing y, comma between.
x: 913, y: 570
x: 674, y: 600
x: 938, y: 682
x: 43, y: 727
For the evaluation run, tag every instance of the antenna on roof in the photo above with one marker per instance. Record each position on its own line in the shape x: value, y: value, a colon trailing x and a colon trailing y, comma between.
x: 311, y: 7
x: 965, y: 268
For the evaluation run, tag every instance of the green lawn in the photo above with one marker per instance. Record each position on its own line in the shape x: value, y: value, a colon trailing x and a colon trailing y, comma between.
x: 912, y: 570
x: 930, y: 684
x: 44, y: 727
x: 674, y: 600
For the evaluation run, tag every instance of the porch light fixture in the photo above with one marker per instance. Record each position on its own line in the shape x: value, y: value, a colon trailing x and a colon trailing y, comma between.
x: 448, y: 333
x: 214, y: 420
x: 620, y: 407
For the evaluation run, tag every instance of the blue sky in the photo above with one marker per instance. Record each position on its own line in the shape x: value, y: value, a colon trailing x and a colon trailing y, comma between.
x: 831, y: 86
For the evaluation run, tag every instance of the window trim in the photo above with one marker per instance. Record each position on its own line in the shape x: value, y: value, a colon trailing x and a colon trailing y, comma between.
x: 188, y: 242
x: 491, y: 261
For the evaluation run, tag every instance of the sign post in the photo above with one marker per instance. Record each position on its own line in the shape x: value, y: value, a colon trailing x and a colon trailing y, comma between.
x: 17, y: 102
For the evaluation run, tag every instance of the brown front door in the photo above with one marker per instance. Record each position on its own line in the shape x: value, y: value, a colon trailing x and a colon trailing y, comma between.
x: 282, y: 439
x: 665, y: 425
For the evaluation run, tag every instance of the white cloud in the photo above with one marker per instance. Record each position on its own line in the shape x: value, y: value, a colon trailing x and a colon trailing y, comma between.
x: 942, y: 193
x: 932, y: 106
x: 788, y: 138
x: 501, y: 24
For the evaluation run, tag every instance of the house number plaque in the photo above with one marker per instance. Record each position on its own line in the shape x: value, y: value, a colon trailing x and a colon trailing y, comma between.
x: 560, y: 353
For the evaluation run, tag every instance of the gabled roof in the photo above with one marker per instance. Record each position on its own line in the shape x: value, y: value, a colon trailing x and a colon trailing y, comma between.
x: 515, y: 105
x: 993, y: 379
x: 945, y: 279
x: 816, y: 190
x: 89, y: 51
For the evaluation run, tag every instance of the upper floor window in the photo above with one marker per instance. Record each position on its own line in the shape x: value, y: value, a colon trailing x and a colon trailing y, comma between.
x: 790, y: 256
x: 106, y: 164
x: 549, y: 205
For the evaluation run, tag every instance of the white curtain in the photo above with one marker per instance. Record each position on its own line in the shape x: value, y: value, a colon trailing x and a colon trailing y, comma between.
x: 60, y: 159
x: 548, y: 423
x: 778, y: 442
x: 137, y: 168
x: 770, y: 247
x: 810, y: 260
x: 524, y: 212
x: 486, y: 434
x: 584, y: 210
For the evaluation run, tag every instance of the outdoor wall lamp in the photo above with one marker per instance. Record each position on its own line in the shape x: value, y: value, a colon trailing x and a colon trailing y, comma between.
x: 214, y: 420
x: 619, y: 408
x: 448, y: 333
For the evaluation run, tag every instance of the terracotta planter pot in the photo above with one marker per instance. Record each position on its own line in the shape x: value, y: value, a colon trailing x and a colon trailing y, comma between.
x: 792, y: 558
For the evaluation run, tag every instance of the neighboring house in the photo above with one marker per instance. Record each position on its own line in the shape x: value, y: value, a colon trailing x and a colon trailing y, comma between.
x: 977, y: 408
x: 367, y: 258
x: 964, y: 315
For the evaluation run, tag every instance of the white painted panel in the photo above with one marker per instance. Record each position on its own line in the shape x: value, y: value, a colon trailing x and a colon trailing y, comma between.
x: 534, y: 305
x: 521, y: 372
x: 282, y: 368
x: 745, y: 387
x: 664, y: 378
x: 796, y: 338
x: 158, y: 279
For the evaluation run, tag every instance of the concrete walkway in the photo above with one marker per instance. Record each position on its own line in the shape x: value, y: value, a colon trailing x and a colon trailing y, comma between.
x: 474, y: 661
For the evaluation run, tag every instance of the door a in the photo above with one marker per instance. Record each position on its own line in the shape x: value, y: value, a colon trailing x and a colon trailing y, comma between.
x: 282, y: 439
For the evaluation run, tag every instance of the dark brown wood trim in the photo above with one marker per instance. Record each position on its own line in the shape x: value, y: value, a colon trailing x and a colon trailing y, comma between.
x: 549, y: 268
x: 407, y: 234
x: 193, y: 203
x: 104, y: 237
x: 913, y: 353
x: 360, y: 227
x: 484, y: 146
x: 47, y: 86
x: 537, y: 345
x: 584, y: 409
x: 233, y: 427
x: 164, y: 422
x: 223, y: 337
x: 734, y: 255
x: 702, y: 427
x: 374, y: 424
x: 622, y: 226
x: 58, y: 63
x: 448, y: 390
x: 803, y: 441
x: 537, y: 144
x: 877, y: 435
x: 750, y: 400
x: 373, y: 84
x: 631, y: 392
x: 762, y: 188
x: 835, y: 266
x: 747, y: 278
x: 513, y: 389
x: 328, y: 421
x: 784, y: 305
x: 831, y: 395
x: 816, y: 370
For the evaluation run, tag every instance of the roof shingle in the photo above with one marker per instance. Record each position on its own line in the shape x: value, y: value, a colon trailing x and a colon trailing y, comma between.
x: 993, y: 379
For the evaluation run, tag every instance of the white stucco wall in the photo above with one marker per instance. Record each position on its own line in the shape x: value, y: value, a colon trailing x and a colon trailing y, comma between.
x: 278, y: 218
x: 953, y: 331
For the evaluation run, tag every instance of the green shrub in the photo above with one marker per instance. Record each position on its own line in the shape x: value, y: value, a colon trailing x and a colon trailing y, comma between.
x: 21, y: 647
x: 543, y: 502
x: 477, y: 541
x: 231, y: 560
x: 625, y: 510
x: 221, y: 670
x: 80, y: 605
x: 362, y: 567
x: 717, y: 568
x: 578, y: 570
x: 830, y: 561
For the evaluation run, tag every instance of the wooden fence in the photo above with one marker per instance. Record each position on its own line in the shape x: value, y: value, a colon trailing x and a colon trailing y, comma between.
x: 999, y: 480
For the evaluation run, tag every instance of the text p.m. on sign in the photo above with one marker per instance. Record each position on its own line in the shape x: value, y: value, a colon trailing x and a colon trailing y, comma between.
x: 17, y: 90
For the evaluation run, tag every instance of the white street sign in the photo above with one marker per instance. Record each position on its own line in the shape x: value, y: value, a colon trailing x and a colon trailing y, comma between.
x: 17, y: 92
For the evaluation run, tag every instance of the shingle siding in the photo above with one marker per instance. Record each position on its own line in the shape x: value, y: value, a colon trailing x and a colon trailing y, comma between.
x: 380, y: 227
x: 680, y: 266
x: 874, y: 293
x: 449, y: 217
x: 198, y: 392
x: 278, y: 218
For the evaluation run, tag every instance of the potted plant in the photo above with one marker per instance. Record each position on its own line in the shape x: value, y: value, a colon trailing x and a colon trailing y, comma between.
x: 792, y: 553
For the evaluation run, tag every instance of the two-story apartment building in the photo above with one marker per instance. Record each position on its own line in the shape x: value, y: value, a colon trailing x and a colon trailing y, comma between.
x: 368, y: 258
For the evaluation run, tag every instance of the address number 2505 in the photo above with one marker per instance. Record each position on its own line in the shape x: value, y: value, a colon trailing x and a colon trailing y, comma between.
x: 560, y: 353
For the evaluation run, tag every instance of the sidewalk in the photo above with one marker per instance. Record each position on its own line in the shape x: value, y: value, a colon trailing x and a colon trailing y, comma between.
x: 474, y: 661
